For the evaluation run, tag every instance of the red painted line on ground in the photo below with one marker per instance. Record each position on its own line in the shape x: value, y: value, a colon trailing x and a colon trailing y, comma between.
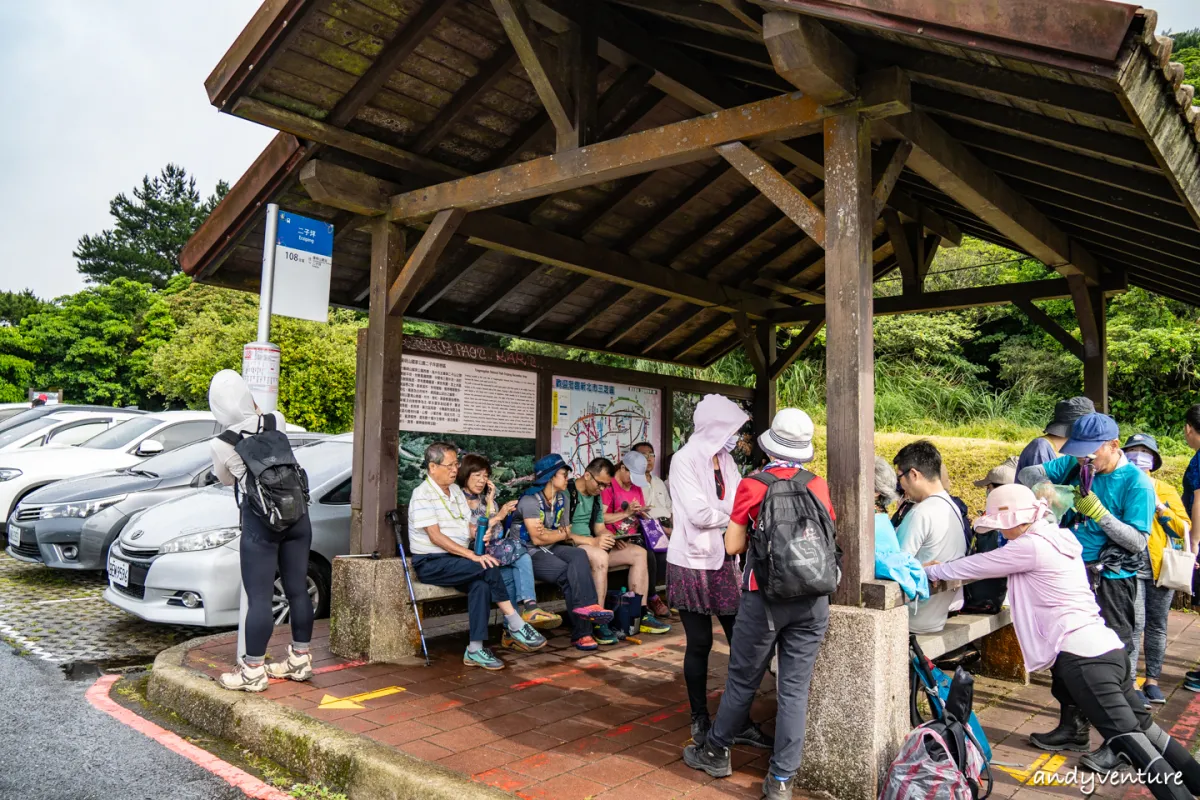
x: 1183, y: 731
x: 239, y: 779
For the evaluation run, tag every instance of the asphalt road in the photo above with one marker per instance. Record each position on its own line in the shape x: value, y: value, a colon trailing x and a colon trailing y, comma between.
x: 55, y: 746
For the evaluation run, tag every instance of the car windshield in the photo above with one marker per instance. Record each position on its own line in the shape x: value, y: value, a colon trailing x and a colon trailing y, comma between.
x: 122, y: 434
x: 324, y: 460
x: 18, y: 432
x: 182, y: 461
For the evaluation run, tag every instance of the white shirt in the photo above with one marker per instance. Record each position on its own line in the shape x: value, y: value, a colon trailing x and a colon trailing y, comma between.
x: 658, y: 498
x: 429, y: 506
x: 933, y: 531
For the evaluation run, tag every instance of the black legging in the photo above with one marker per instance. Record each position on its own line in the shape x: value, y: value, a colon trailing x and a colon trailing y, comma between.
x: 697, y: 629
x: 265, y: 553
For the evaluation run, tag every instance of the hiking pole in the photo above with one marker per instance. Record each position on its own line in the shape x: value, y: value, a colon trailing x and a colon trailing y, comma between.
x: 394, y: 519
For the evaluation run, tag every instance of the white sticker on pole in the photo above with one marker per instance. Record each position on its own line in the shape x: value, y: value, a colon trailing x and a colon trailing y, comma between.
x: 303, y: 266
x: 260, y: 370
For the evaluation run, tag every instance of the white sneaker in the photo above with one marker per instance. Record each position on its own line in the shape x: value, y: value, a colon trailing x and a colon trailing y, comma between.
x: 245, y: 679
x: 296, y: 667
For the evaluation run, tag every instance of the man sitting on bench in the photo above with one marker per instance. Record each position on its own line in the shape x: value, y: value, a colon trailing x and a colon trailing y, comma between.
x: 440, y: 539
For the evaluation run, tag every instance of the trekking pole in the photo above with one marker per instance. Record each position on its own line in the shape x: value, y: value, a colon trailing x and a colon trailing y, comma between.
x: 394, y: 519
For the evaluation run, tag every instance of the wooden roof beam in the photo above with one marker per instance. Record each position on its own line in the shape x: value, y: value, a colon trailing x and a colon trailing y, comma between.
x: 541, y: 65
x: 490, y: 73
x: 795, y: 346
x: 807, y: 215
x: 422, y: 262
x: 811, y: 58
x: 952, y: 168
x: 780, y: 117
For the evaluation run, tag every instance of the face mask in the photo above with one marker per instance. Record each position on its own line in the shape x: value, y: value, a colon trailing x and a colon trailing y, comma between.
x: 731, y: 443
x: 1143, y: 461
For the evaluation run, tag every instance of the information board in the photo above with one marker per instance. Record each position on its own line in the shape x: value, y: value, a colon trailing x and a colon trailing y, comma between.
x: 596, y: 418
x: 440, y: 396
x: 303, y: 267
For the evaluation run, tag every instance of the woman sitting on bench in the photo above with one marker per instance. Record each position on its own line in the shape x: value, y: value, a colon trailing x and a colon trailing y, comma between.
x: 1058, y: 625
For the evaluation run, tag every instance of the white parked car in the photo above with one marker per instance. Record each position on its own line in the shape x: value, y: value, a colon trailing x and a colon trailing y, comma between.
x: 12, y: 409
x: 121, y: 445
x: 178, y: 562
x: 64, y: 427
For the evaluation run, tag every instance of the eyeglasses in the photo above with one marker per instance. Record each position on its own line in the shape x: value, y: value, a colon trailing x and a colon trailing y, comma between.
x: 598, y: 482
x: 451, y: 465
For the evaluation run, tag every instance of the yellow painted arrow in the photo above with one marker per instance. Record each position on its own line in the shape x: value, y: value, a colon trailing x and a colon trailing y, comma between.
x: 1044, y: 763
x: 356, y: 700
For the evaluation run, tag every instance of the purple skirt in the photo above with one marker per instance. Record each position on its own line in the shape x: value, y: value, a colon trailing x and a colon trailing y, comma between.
x: 705, y: 591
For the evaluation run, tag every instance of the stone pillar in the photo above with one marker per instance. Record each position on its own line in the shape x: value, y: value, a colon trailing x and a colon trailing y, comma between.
x: 858, y: 703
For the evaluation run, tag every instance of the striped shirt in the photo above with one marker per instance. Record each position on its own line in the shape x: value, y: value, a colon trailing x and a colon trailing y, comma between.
x: 429, y: 506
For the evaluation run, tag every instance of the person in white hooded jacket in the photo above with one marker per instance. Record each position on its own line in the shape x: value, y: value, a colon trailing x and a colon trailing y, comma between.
x: 263, y: 552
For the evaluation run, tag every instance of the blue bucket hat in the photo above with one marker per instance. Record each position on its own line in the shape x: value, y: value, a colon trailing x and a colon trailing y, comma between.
x: 545, y: 468
x: 1089, y: 432
x: 1147, y: 441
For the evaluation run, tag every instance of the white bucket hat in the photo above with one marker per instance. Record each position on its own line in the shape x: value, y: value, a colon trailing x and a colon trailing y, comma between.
x: 789, y: 437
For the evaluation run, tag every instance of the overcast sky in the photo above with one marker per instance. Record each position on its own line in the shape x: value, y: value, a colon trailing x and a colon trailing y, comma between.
x: 96, y: 95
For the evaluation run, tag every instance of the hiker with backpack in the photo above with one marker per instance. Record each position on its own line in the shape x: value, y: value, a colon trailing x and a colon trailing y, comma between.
x: 702, y: 579
x: 1059, y: 626
x: 1112, y: 517
x: 253, y: 455
x: 932, y: 531
x: 782, y: 519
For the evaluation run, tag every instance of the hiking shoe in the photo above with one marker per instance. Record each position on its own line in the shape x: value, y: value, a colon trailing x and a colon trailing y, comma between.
x: 525, y: 640
x: 1193, y: 675
x: 604, y: 635
x: 593, y: 613
x: 295, y: 668
x: 482, y: 657
x: 1154, y: 693
x: 245, y: 679
x: 1071, y: 733
x: 701, y: 723
x: 658, y: 608
x: 1142, y: 698
x: 775, y: 789
x: 585, y: 643
x: 1102, y: 760
x: 1192, y: 685
x: 753, y: 736
x: 714, y: 761
x: 539, y: 618
x: 650, y: 624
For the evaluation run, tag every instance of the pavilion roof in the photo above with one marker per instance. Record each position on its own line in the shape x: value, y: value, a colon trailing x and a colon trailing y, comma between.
x: 1072, y: 104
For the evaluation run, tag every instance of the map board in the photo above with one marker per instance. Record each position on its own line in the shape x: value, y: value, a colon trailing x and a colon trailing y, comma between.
x: 596, y: 418
x: 440, y: 396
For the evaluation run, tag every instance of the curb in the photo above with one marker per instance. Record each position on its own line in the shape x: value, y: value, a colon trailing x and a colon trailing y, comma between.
x: 362, y: 767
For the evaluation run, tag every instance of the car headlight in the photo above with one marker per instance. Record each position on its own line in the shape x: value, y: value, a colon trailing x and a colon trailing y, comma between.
x: 82, y: 509
x: 8, y: 473
x: 204, y: 540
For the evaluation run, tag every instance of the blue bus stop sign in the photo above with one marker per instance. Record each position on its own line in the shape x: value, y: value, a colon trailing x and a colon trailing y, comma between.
x: 303, y: 267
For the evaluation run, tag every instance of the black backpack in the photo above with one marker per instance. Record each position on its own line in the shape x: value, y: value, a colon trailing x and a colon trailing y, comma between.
x: 276, y: 486
x: 985, y: 596
x: 793, y: 550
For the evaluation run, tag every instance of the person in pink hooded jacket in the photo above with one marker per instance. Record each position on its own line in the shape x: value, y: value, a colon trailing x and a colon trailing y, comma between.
x: 1058, y: 624
x: 702, y: 581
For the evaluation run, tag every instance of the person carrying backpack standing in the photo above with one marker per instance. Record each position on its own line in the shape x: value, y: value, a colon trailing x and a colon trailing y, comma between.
x: 276, y: 532
x: 783, y: 516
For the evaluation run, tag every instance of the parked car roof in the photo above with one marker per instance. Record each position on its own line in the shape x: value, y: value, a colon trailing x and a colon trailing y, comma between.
x: 41, y: 411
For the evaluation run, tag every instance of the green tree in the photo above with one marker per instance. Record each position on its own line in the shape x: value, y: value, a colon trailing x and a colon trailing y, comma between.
x: 16, y: 306
x: 150, y: 231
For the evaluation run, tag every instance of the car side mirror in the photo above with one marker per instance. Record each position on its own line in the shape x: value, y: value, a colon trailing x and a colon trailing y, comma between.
x: 149, y: 447
x: 211, y: 478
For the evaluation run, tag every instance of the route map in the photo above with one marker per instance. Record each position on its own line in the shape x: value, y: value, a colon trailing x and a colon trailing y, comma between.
x: 593, y: 418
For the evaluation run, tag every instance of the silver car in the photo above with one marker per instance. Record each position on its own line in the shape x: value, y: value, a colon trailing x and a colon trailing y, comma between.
x: 178, y: 562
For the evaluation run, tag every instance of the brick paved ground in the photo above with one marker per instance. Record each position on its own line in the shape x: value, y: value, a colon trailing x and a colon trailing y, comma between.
x: 567, y: 725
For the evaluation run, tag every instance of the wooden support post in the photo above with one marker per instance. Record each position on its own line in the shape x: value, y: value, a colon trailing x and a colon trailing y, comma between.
x: 1090, y: 309
x: 765, y: 398
x: 850, y: 358
x: 381, y: 434
x: 667, y: 425
x: 755, y: 354
x: 886, y: 168
x: 360, y: 427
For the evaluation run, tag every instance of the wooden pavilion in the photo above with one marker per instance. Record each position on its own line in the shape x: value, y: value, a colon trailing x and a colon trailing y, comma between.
x: 672, y: 179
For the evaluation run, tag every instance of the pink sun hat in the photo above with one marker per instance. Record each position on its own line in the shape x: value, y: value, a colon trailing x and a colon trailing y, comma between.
x: 1009, y: 507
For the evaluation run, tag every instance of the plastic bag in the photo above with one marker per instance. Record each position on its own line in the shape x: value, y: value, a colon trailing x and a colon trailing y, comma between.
x: 1061, y: 499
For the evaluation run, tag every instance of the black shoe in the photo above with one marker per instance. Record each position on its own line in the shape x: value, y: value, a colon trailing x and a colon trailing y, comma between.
x: 712, y: 760
x: 1102, y: 760
x: 700, y: 727
x: 1071, y: 733
x: 753, y: 736
x: 1193, y: 675
x: 775, y: 789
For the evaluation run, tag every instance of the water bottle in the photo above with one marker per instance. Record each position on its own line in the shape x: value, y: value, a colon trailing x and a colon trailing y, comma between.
x: 480, y: 532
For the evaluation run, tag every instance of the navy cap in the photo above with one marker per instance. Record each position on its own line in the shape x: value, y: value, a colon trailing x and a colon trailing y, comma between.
x: 1147, y: 441
x: 1089, y: 432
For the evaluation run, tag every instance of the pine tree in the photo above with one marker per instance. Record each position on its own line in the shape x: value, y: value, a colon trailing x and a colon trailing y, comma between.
x: 151, y: 229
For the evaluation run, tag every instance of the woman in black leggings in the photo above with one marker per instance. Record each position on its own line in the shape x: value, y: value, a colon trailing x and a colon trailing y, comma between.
x: 263, y: 551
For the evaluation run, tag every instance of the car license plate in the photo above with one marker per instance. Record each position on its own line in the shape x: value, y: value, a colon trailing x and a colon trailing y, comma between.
x: 14, y: 536
x: 118, y: 571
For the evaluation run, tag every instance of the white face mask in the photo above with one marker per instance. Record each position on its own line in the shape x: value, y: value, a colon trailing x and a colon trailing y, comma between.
x: 731, y: 443
x: 1143, y: 461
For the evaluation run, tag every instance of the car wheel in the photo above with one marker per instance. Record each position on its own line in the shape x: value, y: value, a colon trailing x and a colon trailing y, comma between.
x: 318, y: 581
